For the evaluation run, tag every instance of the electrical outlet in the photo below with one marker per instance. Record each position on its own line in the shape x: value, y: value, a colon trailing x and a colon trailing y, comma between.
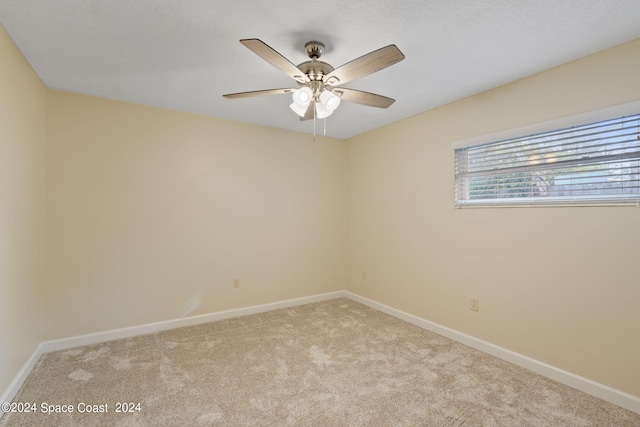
x: 473, y: 303
x: 364, y: 275
x: 236, y: 282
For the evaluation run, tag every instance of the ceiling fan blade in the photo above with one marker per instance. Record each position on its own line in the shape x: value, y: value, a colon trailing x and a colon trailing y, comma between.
x: 366, y: 64
x: 364, y: 98
x: 310, y: 113
x: 270, y: 55
x: 258, y: 93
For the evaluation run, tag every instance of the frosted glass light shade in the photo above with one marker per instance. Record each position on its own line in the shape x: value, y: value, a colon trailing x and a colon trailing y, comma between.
x: 330, y: 101
x: 299, y: 109
x: 321, y: 111
x: 302, y: 96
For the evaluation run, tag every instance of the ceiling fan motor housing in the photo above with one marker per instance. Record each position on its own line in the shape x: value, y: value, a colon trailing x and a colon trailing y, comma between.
x: 315, y: 70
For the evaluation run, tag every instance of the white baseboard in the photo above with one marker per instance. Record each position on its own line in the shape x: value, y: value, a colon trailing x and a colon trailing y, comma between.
x: 81, y: 340
x: 22, y: 375
x: 609, y: 394
x: 149, y: 328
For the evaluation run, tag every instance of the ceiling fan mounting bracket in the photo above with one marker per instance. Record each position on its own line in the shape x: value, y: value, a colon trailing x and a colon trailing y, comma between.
x: 314, y: 49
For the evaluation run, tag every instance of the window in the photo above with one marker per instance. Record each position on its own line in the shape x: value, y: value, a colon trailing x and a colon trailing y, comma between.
x: 593, y: 163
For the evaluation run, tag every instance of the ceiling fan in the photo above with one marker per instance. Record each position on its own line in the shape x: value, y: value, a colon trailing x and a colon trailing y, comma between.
x: 320, y: 92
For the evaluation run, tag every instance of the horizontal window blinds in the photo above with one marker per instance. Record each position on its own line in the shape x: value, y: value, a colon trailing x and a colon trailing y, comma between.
x: 597, y: 163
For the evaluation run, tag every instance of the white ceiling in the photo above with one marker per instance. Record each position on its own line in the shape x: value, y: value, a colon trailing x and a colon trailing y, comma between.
x: 184, y: 54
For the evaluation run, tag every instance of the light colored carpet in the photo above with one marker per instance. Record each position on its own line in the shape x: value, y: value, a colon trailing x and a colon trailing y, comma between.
x: 334, y: 363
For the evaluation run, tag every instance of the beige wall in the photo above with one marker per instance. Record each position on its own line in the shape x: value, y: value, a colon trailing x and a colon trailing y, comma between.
x: 556, y: 284
x: 22, y: 138
x: 149, y: 209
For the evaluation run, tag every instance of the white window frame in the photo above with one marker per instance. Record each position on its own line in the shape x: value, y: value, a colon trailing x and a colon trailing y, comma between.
x: 632, y: 108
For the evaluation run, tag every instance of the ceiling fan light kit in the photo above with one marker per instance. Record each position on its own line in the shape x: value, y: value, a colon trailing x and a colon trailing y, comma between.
x: 325, y: 105
x: 318, y: 94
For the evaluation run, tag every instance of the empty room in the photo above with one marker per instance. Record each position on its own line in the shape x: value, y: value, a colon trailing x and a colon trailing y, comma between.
x: 383, y: 213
